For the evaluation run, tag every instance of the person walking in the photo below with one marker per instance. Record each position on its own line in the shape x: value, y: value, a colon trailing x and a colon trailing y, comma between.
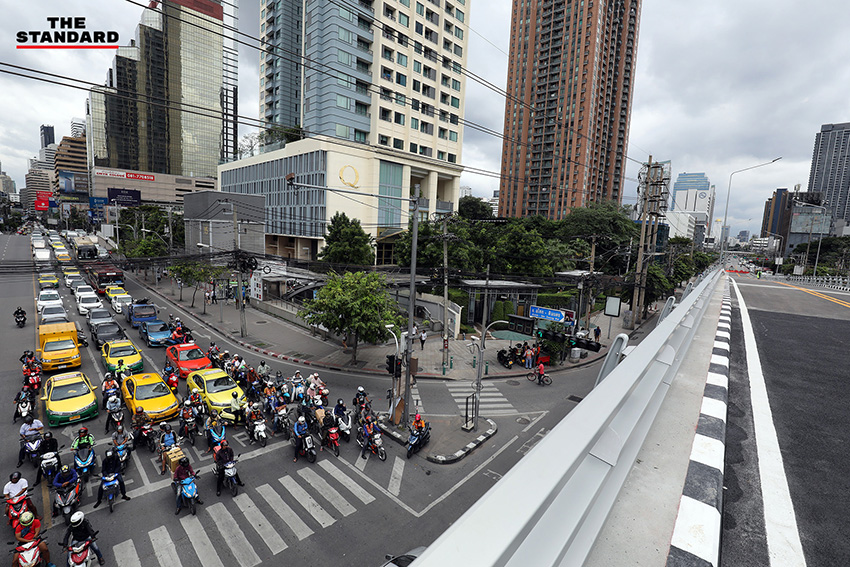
x: 422, y: 337
x: 529, y: 357
x: 597, y: 332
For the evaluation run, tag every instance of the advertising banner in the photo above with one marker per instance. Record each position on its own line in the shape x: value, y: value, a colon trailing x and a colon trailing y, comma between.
x: 43, y: 195
x: 41, y: 205
x: 124, y: 197
x: 71, y: 182
x: 96, y: 205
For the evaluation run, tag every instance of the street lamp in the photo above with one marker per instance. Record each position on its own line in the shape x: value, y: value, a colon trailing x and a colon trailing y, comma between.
x: 167, y: 247
x: 820, y: 235
x: 481, y: 347
x: 728, y: 195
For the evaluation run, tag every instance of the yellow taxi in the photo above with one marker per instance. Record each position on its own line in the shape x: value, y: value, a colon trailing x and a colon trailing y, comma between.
x: 48, y: 280
x: 63, y: 256
x: 215, y: 387
x: 113, y: 351
x: 69, y: 398
x: 113, y: 290
x: 150, y: 392
x: 57, y: 244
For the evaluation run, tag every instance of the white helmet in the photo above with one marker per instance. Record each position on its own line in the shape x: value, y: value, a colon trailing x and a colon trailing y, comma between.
x: 113, y: 398
x: 187, y: 403
x: 301, y: 419
x: 317, y: 400
x: 256, y: 406
x: 77, y: 518
x: 360, y: 389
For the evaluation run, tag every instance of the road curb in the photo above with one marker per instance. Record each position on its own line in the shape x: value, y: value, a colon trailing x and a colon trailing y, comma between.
x: 444, y: 459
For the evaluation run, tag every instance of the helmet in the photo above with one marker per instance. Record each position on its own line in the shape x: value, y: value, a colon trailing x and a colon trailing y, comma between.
x: 256, y: 406
x: 177, y: 319
x: 360, y: 389
x: 64, y: 469
x: 120, y: 362
x: 77, y: 518
x: 166, y: 427
x: 109, y: 453
x: 418, y: 417
x: 195, y: 390
x: 48, y: 435
x: 235, y: 395
x: 28, y: 420
x: 226, y: 353
x: 317, y: 400
x: 368, y: 418
x: 340, y: 402
x: 251, y: 368
x: 187, y: 403
x: 83, y: 431
x: 113, y: 398
x: 120, y: 428
x: 301, y: 419
x: 15, y: 476
x: 107, y: 376
x: 184, y: 461
x: 224, y: 443
x: 140, y: 409
x: 212, y: 344
x: 27, y: 518
x: 215, y: 413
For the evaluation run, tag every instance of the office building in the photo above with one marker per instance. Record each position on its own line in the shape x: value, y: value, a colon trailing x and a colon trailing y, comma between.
x: 465, y: 191
x: 743, y: 236
x: 390, y: 74
x: 7, y: 184
x: 46, y: 135
x: 78, y: 127
x: 71, y: 175
x: 146, y: 118
x: 830, y: 171
x: 570, y: 82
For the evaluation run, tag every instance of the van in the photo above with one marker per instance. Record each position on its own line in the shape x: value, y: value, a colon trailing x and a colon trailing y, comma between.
x: 58, y: 346
x: 41, y: 255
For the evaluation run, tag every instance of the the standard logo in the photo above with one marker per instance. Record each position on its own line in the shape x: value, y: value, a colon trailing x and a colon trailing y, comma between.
x: 67, y: 33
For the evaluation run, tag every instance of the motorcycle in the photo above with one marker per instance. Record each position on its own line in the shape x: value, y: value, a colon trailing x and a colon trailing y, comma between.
x: 332, y: 440
x: 506, y: 357
x: 29, y: 554
x: 255, y: 392
x: 20, y: 320
x: 50, y: 465
x: 418, y: 439
x: 361, y: 409
x: 32, y: 443
x: 282, y: 423
x: 123, y: 452
x: 308, y: 448
x: 23, y: 405
x: 230, y: 478
x: 148, y: 437
x: 217, y: 434
x: 115, y: 418
x: 188, y: 428
x: 67, y: 500
x: 259, y: 432
x: 84, y: 462
x: 17, y: 505
x: 343, y: 422
x: 80, y: 553
x: 376, y: 444
x: 109, y: 483
x: 188, y: 492
x: 173, y: 382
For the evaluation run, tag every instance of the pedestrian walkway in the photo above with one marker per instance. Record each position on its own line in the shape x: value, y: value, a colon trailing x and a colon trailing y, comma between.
x: 493, y: 402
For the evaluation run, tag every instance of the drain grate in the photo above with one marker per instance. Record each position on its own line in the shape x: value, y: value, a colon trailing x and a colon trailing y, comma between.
x: 513, y: 382
x: 575, y: 399
x: 261, y: 322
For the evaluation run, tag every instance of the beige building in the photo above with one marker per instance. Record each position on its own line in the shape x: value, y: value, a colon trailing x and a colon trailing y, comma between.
x: 151, y: 187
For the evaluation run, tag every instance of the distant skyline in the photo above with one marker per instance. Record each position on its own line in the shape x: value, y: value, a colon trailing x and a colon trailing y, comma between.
x: 721, y: 90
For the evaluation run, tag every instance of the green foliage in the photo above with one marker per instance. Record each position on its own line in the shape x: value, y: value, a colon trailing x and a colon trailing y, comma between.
x: 347, y: 243
x: 559, y: 300
x: 683, y: 269
x: 474, y: 208
x: 555, y: 349
x: 282, y: 134
x: 195, y: 274
x: 355, y: 304
x: 138, y: 243
x: 703, y: 260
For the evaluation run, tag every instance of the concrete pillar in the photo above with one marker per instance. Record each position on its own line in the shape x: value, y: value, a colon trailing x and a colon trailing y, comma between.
x: 429, y: 190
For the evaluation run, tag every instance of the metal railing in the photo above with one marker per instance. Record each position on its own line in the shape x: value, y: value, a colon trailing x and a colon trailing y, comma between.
x: 549, y: 508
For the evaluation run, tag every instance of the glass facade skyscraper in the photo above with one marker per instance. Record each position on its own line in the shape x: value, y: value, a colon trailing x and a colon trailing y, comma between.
x: 830, y: 172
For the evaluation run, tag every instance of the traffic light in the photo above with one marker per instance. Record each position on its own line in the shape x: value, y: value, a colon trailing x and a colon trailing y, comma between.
x: 398, y: 368
x: 391, y: 366
x: 538, y: 333
x: 588, y: 344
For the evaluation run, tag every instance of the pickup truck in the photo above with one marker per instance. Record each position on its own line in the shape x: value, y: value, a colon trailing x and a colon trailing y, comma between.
x: 140, y: 311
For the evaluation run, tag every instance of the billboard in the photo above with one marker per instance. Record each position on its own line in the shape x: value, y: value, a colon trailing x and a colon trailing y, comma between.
x: 72, y: 182
x: 124, y: 197
x: 811, y: 221
x: 41, y: 205
x: 96, y: 205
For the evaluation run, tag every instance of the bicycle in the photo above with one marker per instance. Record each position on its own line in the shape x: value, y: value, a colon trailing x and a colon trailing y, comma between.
x: 532, y: 377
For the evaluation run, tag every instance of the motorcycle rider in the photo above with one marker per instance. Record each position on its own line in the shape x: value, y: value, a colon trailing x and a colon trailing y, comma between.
x: 31, y: 426
x: 167, y: 440
x: 339, y: 409
x: 119, y: 437
x: 213, y: 350
x: 326, y: 423
x: 183, y: 471
x: 83, y: 439
x: 111, y: 465
x: 263, y: 371
x: 418, y: 423
x: 81, y: 530
x: 178, y: 336
x: 20, y: 312
x: 140, y: 418
x: 236, y: 408
x: 122, y: 369
x: 254, y: 414
x: 28, y: 358
x: 113, y: 404
x: 16, y: 486
x: 209, y: 423
x: 360, y: 397
x: 109, y: 383
x: 300, y: 432
x: 24, y: 394
x: 65, y: 477
x: 48, y: 445
x: 223, y: 455
x: 28, y: 529
x: 270, y: 396
x: 368, y: 430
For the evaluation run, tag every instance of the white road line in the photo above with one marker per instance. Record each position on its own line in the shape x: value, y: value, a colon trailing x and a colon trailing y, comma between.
x: 260, y: 524
x: 330, y: 493
x: 780, y: 522
x: 163, y: 548
x: 360, y: 463
x: 395, y: 477
x: 284, y: 512
x: 346, y: 481
x: 126, y: 552
x: 232, y: 534
x: 302, y: 497
x: 140, y: 468
x: 207, y: 554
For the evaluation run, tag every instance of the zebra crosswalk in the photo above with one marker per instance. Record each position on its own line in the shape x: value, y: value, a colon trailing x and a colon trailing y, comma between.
x: 493, y: 402
x: 261, y: 523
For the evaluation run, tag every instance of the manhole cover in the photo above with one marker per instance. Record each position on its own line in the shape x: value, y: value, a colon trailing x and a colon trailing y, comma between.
x: 523, y: 420
x: 513, y: 382
x: 261, y: 322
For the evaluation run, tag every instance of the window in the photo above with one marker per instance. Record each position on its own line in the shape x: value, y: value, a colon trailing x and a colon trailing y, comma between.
x: 400, y: 99
x: 386, y: 114
x: 425, y: 151
x: 418, y: 28
x: 417, y: 47
x: 427, y: 128
x: 403, y: 20
x: 383, y: 140
x: 417, y: 66
x: 345, y: 35
x: 453, y: 157
x: 398, y: 144
x: 458, y: 33
x: 455, y: 102
x: 413, y: 147
x: 401, y: 59
x: 404, y: 3
x: 361, y: 136
x: 459, y: 16
x: 342, y: 131
x: 452, y: 136
x: 414, y: 104
x: 458, y: 50
x: 387, y: 53
x: 456, y: 84
x: 430, y: 92
x: 344, y: 80
x: 442, y: 133
x: 386, y: 94
x: 386, y: 73
x: 420, y: 9
x: 399, y: 118
x: 343, y: 57
x: 441, y: 155
x: 417, y: 86
x: 447, y: 45
x: 343, y: 102
x: 444, y: 98
x: 361, y: 109
x: 401, y: 79
x: 444, y: 80
x: 414, y: 124
x: 402, y: 39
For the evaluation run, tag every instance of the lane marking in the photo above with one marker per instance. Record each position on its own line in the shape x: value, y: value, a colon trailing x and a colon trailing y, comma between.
x: 327, y: 491
x: 817, y: 294
x: 126, y: 550
x: 780, y: 522
x: 360, y: 463
x: 163, y: 547
x: 308, y: 502
x: 395, y: 476
x: 357, y: 490
x: 232, y: 533
x: 260, y: 524
x: 284, y: 512
x: 204, y: 549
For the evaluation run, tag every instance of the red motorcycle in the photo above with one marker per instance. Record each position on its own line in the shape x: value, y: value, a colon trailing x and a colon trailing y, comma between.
x: 32, y: 378
x: 17, y: 506
x: 172, y: 382
x: 332, y: 440
x: 80, y: 553
x: 28, y: 554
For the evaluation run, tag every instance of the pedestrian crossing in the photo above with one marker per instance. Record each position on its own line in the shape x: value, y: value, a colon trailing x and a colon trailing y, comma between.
x: 493, y: 402
x: 416, y: 399
x: 259, y: 524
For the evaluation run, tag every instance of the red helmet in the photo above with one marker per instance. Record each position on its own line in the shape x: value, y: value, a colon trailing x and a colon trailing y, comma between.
x: 418, y: 417
x: 83, y: 431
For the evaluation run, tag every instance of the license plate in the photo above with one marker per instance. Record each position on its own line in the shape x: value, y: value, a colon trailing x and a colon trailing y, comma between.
x: 73, y: 417
x: 62, y: 366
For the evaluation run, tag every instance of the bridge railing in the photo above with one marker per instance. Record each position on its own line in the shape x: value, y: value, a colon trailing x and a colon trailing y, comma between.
x: 549, y: 508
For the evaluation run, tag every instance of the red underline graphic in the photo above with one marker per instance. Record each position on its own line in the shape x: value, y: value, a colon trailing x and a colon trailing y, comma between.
x: 66, y: 46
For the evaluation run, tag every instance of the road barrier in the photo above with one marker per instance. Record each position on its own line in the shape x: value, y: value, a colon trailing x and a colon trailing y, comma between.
x: 549, y: 508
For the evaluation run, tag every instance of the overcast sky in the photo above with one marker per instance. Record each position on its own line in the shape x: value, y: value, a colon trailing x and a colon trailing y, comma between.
x: 719, y: 86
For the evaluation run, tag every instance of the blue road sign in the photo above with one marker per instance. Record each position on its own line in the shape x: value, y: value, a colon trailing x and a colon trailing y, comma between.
x: 548, y: 314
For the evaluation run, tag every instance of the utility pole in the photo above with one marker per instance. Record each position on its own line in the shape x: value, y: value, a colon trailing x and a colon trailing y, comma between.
x: 639, y: 263
x: 589, y: 284
x: 240, y: 300
x: 445, y: 290
x: 170, y: 233
x: 412, y: 306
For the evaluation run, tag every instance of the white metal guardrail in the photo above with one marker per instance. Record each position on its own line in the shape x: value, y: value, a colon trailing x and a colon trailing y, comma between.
x: 550, y: 507
x: 832, y: 282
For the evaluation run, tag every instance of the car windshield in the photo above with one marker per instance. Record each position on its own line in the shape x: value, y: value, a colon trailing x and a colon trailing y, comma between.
x: 150, y: 391
x: 53, y: 310
x: 220, y: 384
x: 67, y: 391
x: 99, y: 314
x: 157, y: 327
x: 49, y: 296
x: 125, y: 350
x: 89, y: 299
x: 191, y: 354
x: 54, y: 346
x: 108, y: 329
x: 123, y: 298
x: 83, y: 289
x: 146, y: 311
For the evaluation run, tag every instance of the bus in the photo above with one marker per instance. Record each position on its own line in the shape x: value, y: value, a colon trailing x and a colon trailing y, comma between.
x: 84, y: 247
x: 102, y: 276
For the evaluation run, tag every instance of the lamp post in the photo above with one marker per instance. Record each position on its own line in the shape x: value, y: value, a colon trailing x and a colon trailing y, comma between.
x: 481, y: 348
x: 728, y: 195
x: 779, y: 251
x: 167, y: 246
x: 820, y: 235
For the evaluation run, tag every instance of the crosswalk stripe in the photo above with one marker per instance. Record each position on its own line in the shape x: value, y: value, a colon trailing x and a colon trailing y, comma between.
x: 284, y: 512
x: 346, y: 481
x: 164, y: 548
x: 327, y: 491
x: 417, y: 399
x: 126, y: 551
x: 360, y: 464
x: 395, y: 477
x: 204, y: 549
x: 260, y: 523
x: 232, y: 534
x: 307, y: 501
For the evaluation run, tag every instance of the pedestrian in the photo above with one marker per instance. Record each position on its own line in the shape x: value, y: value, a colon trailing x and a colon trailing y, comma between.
x: 597, y: 332
x: 529, y: 357
x: 422, y: 338
x: 206, y: 298
x: 415, y: 330
x: 213, y: 297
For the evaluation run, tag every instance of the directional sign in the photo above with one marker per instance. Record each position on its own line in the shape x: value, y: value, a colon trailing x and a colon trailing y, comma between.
x: 549, y: 314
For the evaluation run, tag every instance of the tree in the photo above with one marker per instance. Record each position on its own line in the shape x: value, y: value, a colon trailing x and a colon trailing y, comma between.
x: 347, y: 243
x: 354, y: 304
x: 248, y: 144
x: 282, y: 134
x: 474, y: 208
x: 196, y: 274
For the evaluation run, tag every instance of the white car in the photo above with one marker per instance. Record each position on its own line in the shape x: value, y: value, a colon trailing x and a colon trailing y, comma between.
x: 119, y: 301
x: 48, y: 297
x: 69, y: 279
x: 82, y: 289
x: 87, y: 301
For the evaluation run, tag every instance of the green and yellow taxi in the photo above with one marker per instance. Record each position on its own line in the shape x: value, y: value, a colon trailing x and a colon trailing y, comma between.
x: 113, y: 291
x: 68, y: 270
x: 69, y: 398
x: 150, y: 392
x: 48, y: 280
x: 113, y: 351
x: 215, y: 387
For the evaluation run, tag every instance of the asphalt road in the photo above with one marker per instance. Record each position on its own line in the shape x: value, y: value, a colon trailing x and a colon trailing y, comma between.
x: 337, y: 511
x: 787, y: 507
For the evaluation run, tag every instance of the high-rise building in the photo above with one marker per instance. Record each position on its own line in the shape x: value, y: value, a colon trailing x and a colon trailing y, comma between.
x: 774, y: 221
x: 694, y: 194
x: 744, y: 235
x: 830, y: 172
x: 46, y: 135
x: 379, y: 73
x: 78, y: 127
x: 570, y: 82
x: 169, y: 102
x: 71, y: 179
x: 465, y: 191
x: 7, y: 184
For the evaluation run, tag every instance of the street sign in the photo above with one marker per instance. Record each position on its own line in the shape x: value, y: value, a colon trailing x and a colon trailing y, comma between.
x: 549, y: 314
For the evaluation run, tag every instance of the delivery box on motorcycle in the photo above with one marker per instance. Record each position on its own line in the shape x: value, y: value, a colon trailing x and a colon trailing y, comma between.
x: 173, y: 457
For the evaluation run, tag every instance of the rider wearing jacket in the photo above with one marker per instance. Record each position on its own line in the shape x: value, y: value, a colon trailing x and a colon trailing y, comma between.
x: 66, y: 476
x: 20, y: 311
x: 119, y: 437
x: 167, y: 440
x: 339, y: 408
x: 48, y: 445
x: 81, y: 530
x: 113, y: 404
x: 223, y: 455
x: 183, y: 471
x: 31, y: 426
x: 418, y: 423
x: 140, y: 418
x: 368, y: 430
x: 109, y: 383
x: 27, y: 530
x: 254, y: 414
x: 84, y: 439
x: 111, y: 465
x: 300, y: 431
